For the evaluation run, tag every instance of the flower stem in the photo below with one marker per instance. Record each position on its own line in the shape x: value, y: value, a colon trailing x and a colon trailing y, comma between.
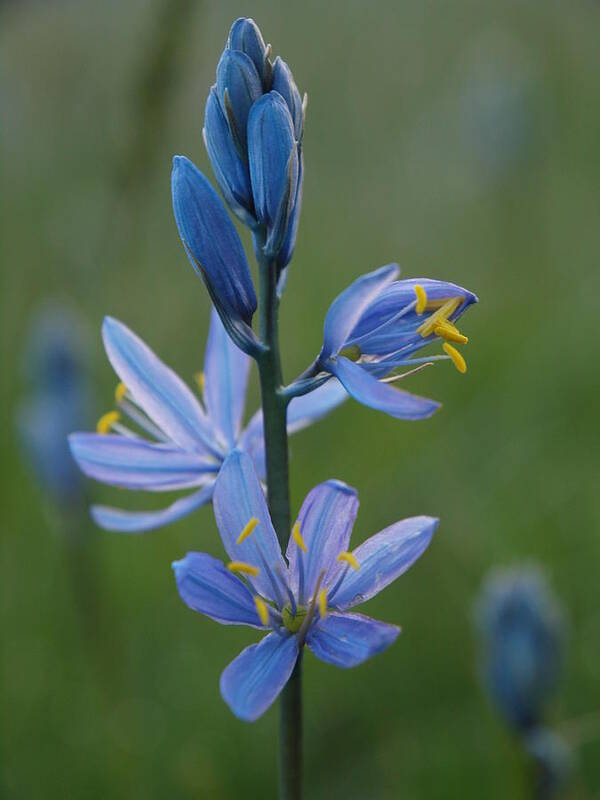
x: 274, y: 405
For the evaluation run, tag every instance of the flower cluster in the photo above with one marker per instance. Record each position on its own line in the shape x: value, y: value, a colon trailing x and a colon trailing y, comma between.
x: 162, y: 436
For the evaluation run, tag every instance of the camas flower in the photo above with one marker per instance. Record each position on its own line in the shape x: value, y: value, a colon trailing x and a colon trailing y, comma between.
x: 373, y: 329
x: 185, y: 440
x: 305, y: 601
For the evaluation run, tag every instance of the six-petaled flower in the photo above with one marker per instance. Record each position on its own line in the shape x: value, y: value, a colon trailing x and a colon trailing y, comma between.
x: 305, y: 599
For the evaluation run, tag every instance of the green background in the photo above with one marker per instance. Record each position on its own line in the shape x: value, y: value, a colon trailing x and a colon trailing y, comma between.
x: 461, y: 140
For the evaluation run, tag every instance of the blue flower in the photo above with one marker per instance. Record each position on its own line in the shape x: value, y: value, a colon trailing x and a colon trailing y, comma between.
x: 522, y: 631
x: 179, y: 441
x: 253, y: 129
x: 304, y: 601
x: 58, y: 398
x: 373, y: 329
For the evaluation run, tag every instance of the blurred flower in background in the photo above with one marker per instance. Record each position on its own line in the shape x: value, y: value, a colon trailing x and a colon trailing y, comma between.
x: 57, y: 399
x: 522, y: 632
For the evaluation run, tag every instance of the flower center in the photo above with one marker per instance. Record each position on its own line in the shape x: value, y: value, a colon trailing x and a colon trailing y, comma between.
x: 293, y: 622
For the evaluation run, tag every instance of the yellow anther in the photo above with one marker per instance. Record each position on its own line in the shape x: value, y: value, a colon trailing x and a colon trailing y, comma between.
x: 262, y: 610
x: 248, y: 530
x: 421, y: 298
x: 245, y: 569
x: 323, y: 603
x: 349, y: 558
x: 200, y: 381
x: 120, y: 392
x: 298, y: 537
x: 439, y: 316
x: 457, y: 359
x: 448, y: 331
x: 106, y: 421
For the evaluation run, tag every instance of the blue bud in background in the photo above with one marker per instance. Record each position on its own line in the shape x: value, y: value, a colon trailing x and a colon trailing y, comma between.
x: 274, y: 167
x: 230, y: 171
x: 238, y: 88
x: 521, y: 629
x: 245, y: 36
x: 553, y: 759
x: 57, y: 401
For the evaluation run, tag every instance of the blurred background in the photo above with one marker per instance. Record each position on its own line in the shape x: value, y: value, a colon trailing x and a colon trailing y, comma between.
x: 461, y: 140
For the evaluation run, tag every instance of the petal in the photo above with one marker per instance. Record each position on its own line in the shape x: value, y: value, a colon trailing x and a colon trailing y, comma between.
x: 347, y: 640
x: 252, y: 441
x: 226, y: 377
x: 238, y: 497
x: 304, y: 410
x: 348, y: 307
x: 383, y: 558
x: 380, y: 396
x: 230, y: 171
x: 252, y: 682
x: 326, y: 519
x: 273, y: 159
x: 116, y: 519
x: 207, y: 586
x: 138, y: 464
x: 211, y: 242
x: 157, y: 389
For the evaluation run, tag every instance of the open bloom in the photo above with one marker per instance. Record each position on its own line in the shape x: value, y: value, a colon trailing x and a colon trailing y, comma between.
x: 375, y: 327
x: 179, y: 441
x: 305, y: 601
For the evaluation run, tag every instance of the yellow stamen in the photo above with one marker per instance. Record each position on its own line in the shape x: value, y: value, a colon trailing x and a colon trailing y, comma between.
x: 349, y: 558
x: 248, y: 530
x: 262, y: 609
x: 245, y: 569
x: 106, y: 422
x: 200, y: 381
x: 441, y: 315
x: 298, y: 537
x: 120, y: 392
x: 421, y: 298
x: 457, y: 359
x: 448, y: 331
x: 323, y: 603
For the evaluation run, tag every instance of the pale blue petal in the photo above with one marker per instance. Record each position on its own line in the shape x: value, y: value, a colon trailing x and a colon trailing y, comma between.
x: 252, y: 682
x: 326, y: 519
x: 348, y: 307
x: 383, y: 558
x: 157, y: 389
x: 304, y: 410
x: 252, y: 441
x: 207, y: 586
x: 138, y: 464
x: 381, y: 396
x: 237, y: 498
x: 116, y: 519
x: 226, y: 378
x: 347, y: 640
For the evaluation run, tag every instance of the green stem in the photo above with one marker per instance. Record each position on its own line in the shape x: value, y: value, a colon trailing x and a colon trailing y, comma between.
x: 274, y: 406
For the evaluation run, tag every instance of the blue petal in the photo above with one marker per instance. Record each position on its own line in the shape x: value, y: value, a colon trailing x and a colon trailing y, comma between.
x: 246, y: 36
x: 157, y: 389
x: 304, y: 410
x: 273, y: 158
x: 226, y: 378
x: 380, y: 396
x: 252, y: 441
x: 348, y: 307
x: 252, y: 682
x: 283, y: 82
x: 211, y: 242
x: 237, y: 75
x: 207, y: 586
x: 134, y: 463
x: 238, y: 497
x: 326, y: 519
x: 289, y: 243
x: 383, y: 558
x: 230, y: 171
x: 116, y: 519
x: 347, y: 640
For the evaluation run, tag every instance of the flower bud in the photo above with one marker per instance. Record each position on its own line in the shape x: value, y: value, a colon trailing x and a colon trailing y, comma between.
x: 238, y: 87
x: 274, y: 167
x: 283, y: 82
x: 245, y: 36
